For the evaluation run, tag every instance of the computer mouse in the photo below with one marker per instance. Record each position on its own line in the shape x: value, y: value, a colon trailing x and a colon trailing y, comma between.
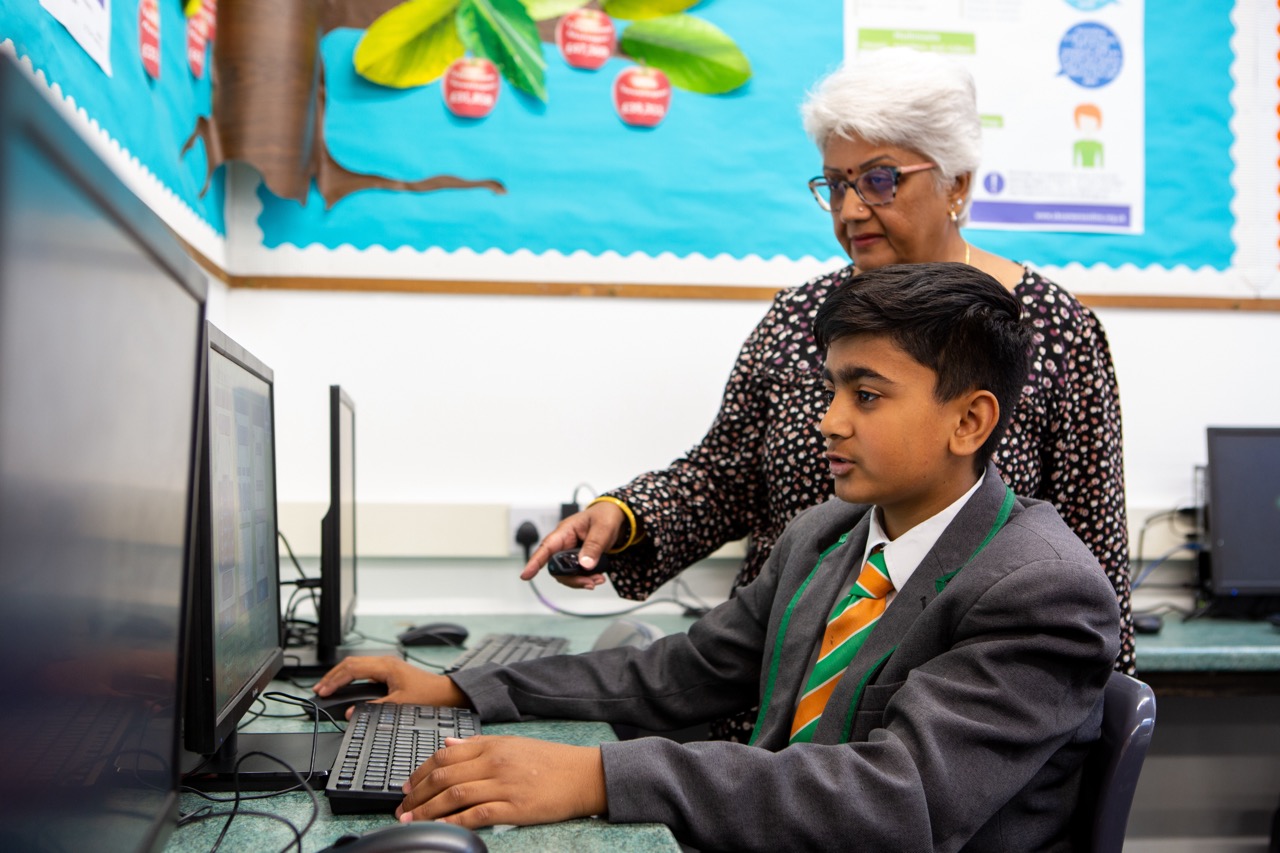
x: 627, y: 632
x: 423, y: 835
x: 1147, y: 623
x: 350, y: 695
x: 434, y: 634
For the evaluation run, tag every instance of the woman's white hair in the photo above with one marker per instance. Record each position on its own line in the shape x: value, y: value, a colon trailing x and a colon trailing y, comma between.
x: 907, y: 98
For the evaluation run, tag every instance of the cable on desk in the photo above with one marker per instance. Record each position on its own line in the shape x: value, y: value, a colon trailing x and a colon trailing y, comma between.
x: 202, y: 815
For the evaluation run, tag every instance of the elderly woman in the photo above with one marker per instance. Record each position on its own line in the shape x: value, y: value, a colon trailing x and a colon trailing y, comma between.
x: 900, y: 135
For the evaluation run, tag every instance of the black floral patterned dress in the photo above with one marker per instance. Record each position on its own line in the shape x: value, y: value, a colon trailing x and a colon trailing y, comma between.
x: 762, y: 460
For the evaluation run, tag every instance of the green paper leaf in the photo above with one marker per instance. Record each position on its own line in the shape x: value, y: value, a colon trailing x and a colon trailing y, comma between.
x: 502, y: 32
x: 410, y: 45
x: 696, y: 55
x: 643, y: 10
x: 191, y: 7
x: 545, y: 10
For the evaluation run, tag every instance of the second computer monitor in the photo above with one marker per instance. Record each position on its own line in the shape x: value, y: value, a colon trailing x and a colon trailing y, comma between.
x: 338, y: 530
x: 236, y: 647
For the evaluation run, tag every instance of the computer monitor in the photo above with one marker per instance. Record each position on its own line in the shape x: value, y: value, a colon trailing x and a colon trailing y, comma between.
x: 335, y: 609
x: 338, y: 530
x: 1244, y: 515
x: 101, y: 316
x: 236, y: 645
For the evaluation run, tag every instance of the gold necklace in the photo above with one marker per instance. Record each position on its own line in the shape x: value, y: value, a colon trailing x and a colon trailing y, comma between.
x: 966, y: 251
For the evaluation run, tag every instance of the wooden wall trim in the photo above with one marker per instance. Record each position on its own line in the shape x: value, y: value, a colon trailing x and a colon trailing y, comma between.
x: 660, y: 291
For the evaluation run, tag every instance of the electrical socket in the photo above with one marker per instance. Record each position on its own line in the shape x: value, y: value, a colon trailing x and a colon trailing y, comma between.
x: 545, y: 518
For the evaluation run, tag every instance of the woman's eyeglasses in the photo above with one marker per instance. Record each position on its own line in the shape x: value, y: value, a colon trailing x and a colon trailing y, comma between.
x: 877, y: 186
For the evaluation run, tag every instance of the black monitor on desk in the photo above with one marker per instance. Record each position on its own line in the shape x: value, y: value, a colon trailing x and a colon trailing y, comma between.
x: 1243, y: 520
x: 236, y: 645
x: 101, y: 316
x: 319, y: 647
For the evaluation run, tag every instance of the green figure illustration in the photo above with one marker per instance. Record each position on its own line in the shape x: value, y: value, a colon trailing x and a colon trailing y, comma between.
x: 1087, y: 153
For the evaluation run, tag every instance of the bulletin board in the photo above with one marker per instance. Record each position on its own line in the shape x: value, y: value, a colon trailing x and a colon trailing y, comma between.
x: 552, y: 190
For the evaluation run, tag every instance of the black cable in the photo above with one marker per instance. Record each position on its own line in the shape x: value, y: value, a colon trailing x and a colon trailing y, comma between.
x: 296, y: 564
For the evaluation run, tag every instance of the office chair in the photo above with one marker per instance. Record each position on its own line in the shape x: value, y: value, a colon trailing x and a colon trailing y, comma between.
x: 1112, y: 768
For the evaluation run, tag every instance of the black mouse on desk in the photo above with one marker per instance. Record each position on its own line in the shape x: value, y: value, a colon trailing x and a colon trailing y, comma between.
x: 1147, y: 623
x: 349, y: 695
x: 423, y: 835
x: 434, y: 634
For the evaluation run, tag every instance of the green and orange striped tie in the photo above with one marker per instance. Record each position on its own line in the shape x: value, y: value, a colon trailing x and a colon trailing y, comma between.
x: 850, y: 624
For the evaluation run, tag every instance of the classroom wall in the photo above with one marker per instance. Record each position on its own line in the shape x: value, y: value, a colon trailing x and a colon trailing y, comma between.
x: 513, y: 401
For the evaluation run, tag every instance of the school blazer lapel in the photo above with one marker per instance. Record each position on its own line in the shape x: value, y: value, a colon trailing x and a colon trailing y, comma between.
x: 961, y: 538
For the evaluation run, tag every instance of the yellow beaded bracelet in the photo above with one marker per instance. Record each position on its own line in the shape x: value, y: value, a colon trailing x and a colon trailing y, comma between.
x: 631, y: 519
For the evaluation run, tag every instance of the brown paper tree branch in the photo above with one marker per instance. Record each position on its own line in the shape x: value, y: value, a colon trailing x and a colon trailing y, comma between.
x: 269, y: 100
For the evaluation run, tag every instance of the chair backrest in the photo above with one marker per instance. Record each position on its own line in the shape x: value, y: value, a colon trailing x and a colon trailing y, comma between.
x: 1111, y: 772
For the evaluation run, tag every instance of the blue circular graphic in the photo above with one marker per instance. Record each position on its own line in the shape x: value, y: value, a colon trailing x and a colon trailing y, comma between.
x: 993, y: 183
x: 1089, y: 5
x: 1090, y: 55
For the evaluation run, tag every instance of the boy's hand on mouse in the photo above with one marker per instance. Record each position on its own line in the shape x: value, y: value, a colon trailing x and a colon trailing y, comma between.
x: 487, y: 780
x: 405, y: 682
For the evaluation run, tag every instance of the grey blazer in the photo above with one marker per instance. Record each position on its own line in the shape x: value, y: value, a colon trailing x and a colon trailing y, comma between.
x: 962, y: 723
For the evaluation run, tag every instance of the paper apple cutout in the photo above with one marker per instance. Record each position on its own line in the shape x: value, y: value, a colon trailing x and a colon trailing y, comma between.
x: 641, y: 95
x: 585, y: 38
x: 471, y: 87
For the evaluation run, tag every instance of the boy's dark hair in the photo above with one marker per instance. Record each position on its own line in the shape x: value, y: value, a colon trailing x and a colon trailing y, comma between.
x: 953, y: 318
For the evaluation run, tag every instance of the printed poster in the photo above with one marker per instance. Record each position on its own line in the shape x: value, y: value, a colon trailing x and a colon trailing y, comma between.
x: 89, y: 23
x: 1061, y: 92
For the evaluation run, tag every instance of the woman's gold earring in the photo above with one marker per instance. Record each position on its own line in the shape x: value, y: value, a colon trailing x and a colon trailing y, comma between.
x: 954, y: 217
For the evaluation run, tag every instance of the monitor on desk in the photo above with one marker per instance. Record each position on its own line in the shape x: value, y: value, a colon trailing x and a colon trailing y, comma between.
x: 336, y: 607
x: 101, y: 314
x: 1244, y: 515
x: 236, y: 646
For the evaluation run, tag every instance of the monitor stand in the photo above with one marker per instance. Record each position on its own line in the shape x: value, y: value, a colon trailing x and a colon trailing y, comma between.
x: 218, y: 772
x: 308, y: 662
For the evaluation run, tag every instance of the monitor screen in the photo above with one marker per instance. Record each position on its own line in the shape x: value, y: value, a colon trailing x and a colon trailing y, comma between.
x: 101, y: 317
x: 1244, y: 511
x: 236, y: 645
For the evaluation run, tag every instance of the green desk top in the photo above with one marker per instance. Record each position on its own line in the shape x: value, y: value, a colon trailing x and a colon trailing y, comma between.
x: 590, y: 835
x: 1198, y: 646
x: 1209, y: 645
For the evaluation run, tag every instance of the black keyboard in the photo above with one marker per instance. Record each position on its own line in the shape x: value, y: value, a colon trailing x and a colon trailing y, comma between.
x: 508, y: 648
x: 382, y: 746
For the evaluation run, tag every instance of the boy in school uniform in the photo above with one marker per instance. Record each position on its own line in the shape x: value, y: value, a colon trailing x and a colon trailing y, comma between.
x: 928, y: 652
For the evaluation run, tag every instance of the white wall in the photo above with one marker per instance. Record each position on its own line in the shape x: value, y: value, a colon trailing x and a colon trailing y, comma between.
x: 515, y: 400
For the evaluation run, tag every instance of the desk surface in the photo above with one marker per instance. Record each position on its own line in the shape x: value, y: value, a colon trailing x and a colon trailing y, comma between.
x: 591, y: 835
x: 1201, y: 655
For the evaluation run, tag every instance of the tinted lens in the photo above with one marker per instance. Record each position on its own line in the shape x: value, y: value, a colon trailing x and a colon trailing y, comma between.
x: 876, y: 186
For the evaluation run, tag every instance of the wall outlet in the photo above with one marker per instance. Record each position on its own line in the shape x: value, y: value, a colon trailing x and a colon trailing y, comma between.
x: 545, y: 518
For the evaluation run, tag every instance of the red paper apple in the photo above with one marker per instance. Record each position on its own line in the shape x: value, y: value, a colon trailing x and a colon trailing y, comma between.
x: 641, y: 96
x: 149, y: 36
x: 585, y: 38
x: 471, y: 87
x: 197, y: 40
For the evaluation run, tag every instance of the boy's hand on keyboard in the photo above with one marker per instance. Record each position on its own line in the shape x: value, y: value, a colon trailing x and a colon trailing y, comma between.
x: 406, y: 684
x: 487, y: 780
